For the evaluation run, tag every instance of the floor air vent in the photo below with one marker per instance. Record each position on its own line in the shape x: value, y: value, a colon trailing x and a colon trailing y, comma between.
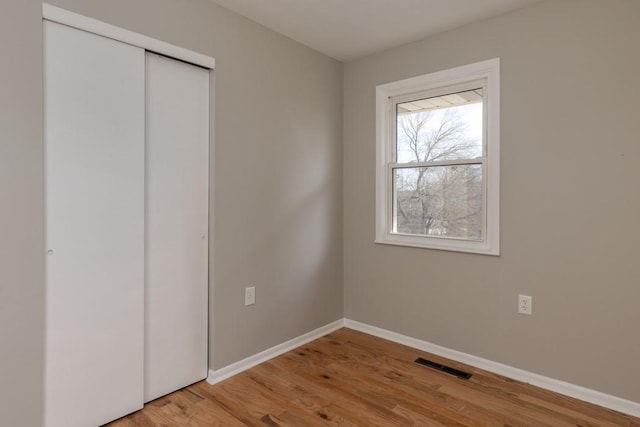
x: 449, y: 370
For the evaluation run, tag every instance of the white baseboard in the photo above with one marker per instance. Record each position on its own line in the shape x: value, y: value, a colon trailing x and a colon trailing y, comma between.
x: 568, y: 389
x: 215, y: 376
x: 562, y: 387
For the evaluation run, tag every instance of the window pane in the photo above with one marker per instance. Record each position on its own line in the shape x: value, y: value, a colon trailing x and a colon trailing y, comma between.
x: 439, y: 201
x: 447, y: 127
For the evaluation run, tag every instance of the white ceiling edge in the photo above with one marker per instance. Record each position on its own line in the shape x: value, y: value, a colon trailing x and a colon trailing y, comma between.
x: 350, y: 29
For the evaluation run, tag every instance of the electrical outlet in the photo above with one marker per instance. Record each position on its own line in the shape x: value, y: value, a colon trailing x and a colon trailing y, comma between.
x: 250, y: 295
x: 525, y: 304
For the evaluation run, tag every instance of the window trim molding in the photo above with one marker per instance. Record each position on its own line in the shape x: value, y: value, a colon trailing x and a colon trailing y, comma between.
x: 488, y: 70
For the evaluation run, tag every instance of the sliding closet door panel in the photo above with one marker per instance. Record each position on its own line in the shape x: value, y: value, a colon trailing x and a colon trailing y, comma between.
x: 94, y: 150
x: 177, y: 141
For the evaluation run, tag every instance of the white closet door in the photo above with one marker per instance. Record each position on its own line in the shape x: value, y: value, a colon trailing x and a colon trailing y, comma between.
x: 177, y: 141
x: 94, y: 150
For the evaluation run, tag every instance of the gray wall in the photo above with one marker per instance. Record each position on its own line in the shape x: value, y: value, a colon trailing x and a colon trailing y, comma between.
x: 278, y: 182
x: 21, y: 202
x: 570, y: 201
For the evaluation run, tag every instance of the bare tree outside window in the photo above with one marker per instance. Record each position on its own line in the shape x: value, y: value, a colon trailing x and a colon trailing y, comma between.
x: 437, y: 185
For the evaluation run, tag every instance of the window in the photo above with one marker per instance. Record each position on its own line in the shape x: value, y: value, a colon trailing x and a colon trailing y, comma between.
x: 438, y: 160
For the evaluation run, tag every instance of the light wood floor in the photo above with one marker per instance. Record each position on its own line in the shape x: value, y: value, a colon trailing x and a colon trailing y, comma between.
x: 349, y: 378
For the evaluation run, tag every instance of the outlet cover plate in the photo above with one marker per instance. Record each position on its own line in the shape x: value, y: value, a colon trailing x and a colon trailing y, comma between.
x: 525, y: 304
x: 250, y: 295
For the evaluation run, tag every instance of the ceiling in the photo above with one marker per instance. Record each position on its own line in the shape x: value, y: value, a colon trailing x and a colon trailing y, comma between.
x: 349, y: 29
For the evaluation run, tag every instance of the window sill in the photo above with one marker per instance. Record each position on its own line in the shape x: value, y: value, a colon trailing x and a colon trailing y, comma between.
x: 481, y: 248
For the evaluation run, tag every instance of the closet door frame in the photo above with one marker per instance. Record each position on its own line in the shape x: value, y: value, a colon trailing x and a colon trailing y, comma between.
x: 80, y: 22
x: 63, y: 16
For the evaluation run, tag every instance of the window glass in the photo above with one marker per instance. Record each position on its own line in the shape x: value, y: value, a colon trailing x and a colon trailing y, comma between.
x: 440, y: 128
x: 439, y: 201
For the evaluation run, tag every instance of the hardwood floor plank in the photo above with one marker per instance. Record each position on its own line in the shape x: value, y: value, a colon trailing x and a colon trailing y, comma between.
x: 410, y: 388
x: 415, y: 380
x: 348, y: 378
x: 346, y: 401
x: 306, y: 400
x: 492, y: 383
x: 371, y: 389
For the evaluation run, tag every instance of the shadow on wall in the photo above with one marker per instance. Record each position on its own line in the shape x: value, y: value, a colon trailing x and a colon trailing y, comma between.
x: 293, y: 246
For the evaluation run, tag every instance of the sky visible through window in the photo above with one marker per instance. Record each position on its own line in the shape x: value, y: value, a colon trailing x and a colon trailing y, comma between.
x: 470, y: 115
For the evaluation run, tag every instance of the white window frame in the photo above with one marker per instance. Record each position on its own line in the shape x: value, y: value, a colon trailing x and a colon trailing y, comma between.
x: 387, y: 95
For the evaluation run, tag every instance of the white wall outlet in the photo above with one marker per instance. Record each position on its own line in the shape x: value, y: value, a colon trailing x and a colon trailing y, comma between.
x: 525, y: 304
x: 250, y: 295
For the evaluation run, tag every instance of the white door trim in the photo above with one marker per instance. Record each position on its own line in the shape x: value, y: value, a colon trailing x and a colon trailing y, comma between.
x: 63, y: 16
